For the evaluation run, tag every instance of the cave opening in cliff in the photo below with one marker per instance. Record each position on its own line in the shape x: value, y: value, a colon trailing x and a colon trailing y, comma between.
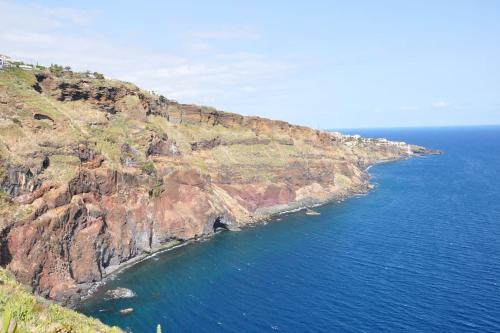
x: 219, y: 225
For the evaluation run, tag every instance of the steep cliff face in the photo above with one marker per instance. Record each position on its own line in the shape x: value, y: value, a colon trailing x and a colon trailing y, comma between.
x: 96, y: 172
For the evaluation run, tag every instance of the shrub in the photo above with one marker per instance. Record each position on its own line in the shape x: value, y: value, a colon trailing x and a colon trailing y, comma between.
x: 148, y: 168
x: 56, y: 69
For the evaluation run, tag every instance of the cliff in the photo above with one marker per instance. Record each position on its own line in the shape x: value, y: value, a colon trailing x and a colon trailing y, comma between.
x: 95, y: 173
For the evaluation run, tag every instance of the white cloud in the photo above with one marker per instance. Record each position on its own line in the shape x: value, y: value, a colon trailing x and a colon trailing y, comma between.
x: 440, y: 104
x: 202, y: 74
x: 198, y: 82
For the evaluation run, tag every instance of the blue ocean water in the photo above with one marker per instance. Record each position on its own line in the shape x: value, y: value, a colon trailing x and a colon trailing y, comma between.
x: 420, y: 253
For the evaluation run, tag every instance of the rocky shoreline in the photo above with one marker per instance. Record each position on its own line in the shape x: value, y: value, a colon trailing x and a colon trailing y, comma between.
x: 268, y: 216
x: 115, y: 271
x: 112, y: 174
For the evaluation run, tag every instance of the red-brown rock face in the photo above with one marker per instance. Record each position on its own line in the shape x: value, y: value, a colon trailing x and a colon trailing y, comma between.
x: 119, y: 172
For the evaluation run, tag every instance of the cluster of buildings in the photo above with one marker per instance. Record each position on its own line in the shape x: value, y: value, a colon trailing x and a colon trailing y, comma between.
x: 4, y: 61
x: 354, y: 140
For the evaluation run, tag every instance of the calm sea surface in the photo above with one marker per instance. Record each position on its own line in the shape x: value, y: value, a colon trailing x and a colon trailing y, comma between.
x: 420, y: 253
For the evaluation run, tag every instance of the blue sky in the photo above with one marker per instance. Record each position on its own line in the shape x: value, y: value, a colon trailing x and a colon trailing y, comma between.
x: 325, y: 64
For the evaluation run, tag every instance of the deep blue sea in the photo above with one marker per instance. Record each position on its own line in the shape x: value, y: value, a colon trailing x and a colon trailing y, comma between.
x: 419, y: 253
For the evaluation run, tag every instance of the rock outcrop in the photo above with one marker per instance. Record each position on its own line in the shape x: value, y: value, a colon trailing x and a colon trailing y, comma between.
x: 110, y: 173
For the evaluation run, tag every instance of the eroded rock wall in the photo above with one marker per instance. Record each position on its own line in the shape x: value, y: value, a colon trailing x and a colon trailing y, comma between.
x: 117, y: 172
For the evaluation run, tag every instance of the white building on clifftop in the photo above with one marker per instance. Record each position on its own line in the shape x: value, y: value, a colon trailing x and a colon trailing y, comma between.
x: 4, y: 61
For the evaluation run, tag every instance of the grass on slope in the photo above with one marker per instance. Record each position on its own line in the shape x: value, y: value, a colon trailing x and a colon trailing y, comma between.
x: 32, y: 314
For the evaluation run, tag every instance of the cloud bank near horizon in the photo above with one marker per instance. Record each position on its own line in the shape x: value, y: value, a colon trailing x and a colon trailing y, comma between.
x: 324, y: 65
x: 195, y: 72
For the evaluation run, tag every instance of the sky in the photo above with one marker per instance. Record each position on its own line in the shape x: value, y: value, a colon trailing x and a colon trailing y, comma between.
x: 324, y: 64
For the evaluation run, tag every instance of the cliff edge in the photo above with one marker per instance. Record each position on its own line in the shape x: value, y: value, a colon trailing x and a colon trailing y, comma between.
x: 22, y: 312
x: 96, y: 172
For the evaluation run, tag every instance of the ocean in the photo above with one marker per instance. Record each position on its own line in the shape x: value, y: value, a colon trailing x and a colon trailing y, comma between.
x: 419, y: 253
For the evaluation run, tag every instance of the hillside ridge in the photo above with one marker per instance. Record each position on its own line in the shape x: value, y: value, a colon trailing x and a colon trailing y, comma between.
x: 96, y: 173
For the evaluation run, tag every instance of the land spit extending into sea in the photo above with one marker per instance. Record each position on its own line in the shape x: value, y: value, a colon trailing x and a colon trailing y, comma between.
x: 418, y: 253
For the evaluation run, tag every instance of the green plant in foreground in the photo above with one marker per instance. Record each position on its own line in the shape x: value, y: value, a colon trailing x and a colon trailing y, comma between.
x: 22, y: 312
x: 8, y: 325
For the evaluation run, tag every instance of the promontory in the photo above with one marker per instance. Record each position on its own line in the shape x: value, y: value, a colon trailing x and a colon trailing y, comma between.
x: 95, y: 173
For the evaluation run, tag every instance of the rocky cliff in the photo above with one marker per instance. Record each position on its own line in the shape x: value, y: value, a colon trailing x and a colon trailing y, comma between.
x: 95, y: 173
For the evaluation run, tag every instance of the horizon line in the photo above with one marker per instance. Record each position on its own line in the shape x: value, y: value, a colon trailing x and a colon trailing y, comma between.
x: 412, y: 127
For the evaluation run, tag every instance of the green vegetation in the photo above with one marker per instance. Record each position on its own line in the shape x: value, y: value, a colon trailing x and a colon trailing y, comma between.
x: 56, y: 69
x: 6, y: 206
x: 62, y: 168
x: 8, y: 325
x: 342, y: 181
x: 29, y: 314
x: 148, y: 168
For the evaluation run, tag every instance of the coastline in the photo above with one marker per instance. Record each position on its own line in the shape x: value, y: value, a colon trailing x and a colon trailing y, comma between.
x: 266, y: 215
x: 128, y: 181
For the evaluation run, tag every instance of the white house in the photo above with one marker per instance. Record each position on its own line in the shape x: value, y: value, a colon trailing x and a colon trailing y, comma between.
x: 4, y: 61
